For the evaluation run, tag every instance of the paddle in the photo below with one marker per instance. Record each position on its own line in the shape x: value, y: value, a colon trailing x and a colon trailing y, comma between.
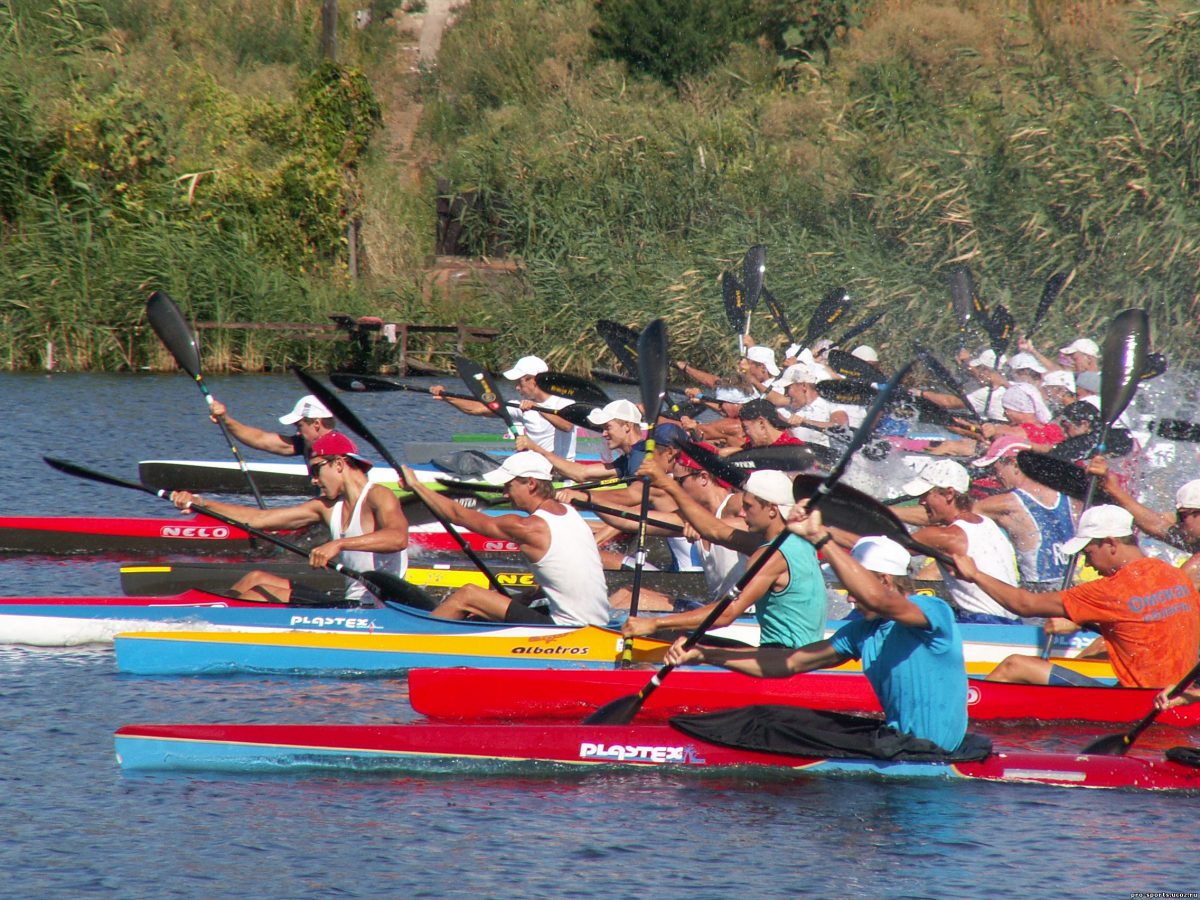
x: 172, y: 329
x: 855, y: 330
x: 612, y: 377
x: 734, y: 297
x: 1060, y: 474
x: 1119, y: 744
x: 1050, y: 290
x: 851, y: 366
x: 480, y: 384
x: 962, y: 294
x: 622, y: 710
x: 1122, y: 361
x: 387, y: 587
x: 754, y: 266
x: 483, y: 487
x: 777, y: 314
x: 627, y: 516
x: 622, y: 343
x: 831, y: 310
x: 942, y: 374
x: 573, y: 387
x: 652, y: 379
x: 1156, y: 364
x: 345, y: 415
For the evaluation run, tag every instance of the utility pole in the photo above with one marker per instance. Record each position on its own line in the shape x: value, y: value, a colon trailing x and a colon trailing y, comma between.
x: 329, y: 13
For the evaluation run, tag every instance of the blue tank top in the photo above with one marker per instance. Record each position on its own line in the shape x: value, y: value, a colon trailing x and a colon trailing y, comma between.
x: 1046, y: 561
x: 795, y: 616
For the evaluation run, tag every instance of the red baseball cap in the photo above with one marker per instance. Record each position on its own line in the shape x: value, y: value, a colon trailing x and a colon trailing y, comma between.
x: 334, y: 443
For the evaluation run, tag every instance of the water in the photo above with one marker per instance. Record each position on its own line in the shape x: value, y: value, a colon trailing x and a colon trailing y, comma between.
x: 73, y: 824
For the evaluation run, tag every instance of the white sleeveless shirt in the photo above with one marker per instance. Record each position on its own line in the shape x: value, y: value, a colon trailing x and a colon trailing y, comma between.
x: 993, y: 554
x: 363, y: 560
x: 718, y: 561
x: 570, y: 572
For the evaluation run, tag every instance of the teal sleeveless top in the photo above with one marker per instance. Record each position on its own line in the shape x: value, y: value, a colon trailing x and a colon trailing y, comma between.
x: 795, y: 616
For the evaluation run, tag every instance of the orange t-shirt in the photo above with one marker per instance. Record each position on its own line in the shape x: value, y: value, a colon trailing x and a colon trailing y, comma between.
x: 1149, y: 615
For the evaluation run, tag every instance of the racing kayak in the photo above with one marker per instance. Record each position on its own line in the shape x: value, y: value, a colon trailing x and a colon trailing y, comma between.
x: 170, y: 577
x: 522, y: 694
x: 482, y: 749
x: 72, y: 621
x: 183, y: 653
x: 101, y: 534
x: 319, y: 653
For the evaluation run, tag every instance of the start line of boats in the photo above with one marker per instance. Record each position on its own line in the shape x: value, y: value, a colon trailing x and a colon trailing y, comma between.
x: 534, y: 679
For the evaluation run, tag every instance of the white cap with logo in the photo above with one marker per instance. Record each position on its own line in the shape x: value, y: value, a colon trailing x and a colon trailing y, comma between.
x: 526, y: 365
x: 1104, y: 521
x: 307, y: 407
x: 945, y: 473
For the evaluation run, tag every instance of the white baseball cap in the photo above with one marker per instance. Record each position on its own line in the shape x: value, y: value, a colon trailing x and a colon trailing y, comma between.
x: 1102, y: 521
x: 525, y: 464
x: 764, y: 355
x: 945, y: 473
x: 1060, y: 378
x: 527, y: 365
x: 771, y: 486
x: 986, y: 359
x: 797, y: 374
x: 733, y: 395
x: 881, y: 554
x: 1026, y: 361
x: 307, y: 407
x: 865, y: 353
x: 624, y: 410
x: 793, y: 351
x: 1086, y: 346
x: 1188, y: 496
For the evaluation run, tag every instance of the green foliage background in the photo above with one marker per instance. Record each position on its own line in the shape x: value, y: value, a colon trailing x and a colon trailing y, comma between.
x: 203, y: 148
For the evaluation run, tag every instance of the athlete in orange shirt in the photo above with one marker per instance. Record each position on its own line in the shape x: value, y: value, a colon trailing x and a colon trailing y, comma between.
x: 1146, y: 610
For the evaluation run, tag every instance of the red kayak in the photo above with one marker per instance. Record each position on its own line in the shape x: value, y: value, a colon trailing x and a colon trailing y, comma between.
x: 99, y: 534
x: 483, y: 749
x: 192, y: 534
x: 527, y: 694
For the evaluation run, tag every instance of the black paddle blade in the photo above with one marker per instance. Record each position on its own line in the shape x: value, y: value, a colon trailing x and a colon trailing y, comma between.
x: 1000, y: 330
x: 1065, y: 477
x: 754, y: 266
x: 962, y: 292
x: 734, y: 296
x: 831, y: 310
x: 70, y: 468
x: 172, y: 329
x: 1109, y: 745
x: 784, y: 457
x: 1177, y: 430
x: 612, y: 377
x: 347, y: 381
x: 716, y: 464
x: 1155, y: 365
x: 942, y: 374
x: 577, y: 415
x: 1050, y: 291
x: 778, y: 315
x: 1123, y: 361
x: 1119, y: 744
x: 573, y: 387
x: 855, y: 330
x: 617, y: 712
x: 852, y: 367
x: 622, y: 343
x: 389, y: 588
x: 652, y: 368
x: 847, y: 390
x: 481, y: 386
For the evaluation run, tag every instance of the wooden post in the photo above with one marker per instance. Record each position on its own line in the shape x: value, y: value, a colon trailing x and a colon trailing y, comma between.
x: 329, y: 14
x: 403, y: 329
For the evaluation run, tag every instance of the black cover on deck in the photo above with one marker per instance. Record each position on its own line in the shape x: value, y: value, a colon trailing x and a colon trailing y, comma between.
x: 795, y: 731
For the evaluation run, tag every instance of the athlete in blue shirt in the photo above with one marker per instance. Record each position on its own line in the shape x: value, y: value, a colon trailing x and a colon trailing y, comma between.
x: 909, y: 644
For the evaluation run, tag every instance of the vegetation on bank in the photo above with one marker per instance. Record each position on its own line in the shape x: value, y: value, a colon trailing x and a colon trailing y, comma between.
x: 204, y: 149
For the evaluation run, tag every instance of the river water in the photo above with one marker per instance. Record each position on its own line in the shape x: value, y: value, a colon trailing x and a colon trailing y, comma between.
x: 74, y: 825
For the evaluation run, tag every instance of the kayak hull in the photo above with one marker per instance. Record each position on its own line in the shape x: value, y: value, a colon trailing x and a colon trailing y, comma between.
x: 313, y: 653
x: 182, y: 653
x: 93, y: 534
x: 511, y: 694
x: 464, y: 749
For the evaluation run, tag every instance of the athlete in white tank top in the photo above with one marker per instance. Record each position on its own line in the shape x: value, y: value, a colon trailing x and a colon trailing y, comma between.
x: 363, y: 560
x: 570, y: 573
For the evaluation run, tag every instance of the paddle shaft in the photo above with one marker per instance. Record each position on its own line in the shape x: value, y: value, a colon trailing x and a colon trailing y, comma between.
x: 70, y: 468
x: 172, y: 329
x: 1126, y: 740
x: 477, y: 380
x: 352, y: 421
x: 626, y: 515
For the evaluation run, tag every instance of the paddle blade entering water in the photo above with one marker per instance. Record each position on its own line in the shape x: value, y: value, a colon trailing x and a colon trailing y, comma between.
x: 617, y: 712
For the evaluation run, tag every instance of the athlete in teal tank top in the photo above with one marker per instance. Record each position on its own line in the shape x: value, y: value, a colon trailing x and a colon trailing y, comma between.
x: 795, y: 616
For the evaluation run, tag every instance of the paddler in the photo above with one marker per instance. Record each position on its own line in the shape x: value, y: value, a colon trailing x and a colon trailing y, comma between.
x: 552, y: 537
x: 1037, y: 519
x: 788, y: 593
x: 620, y: 424
x: 1146, y: 610
x: 909, y: 643
x: 546, y: 430
x: 946, y: 509
x: 311, y: 419
x: 366, y: 522
x: 763, y: 426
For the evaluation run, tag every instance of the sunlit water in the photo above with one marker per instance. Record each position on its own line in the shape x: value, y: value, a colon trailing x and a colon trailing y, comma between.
x: 73, y: 824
